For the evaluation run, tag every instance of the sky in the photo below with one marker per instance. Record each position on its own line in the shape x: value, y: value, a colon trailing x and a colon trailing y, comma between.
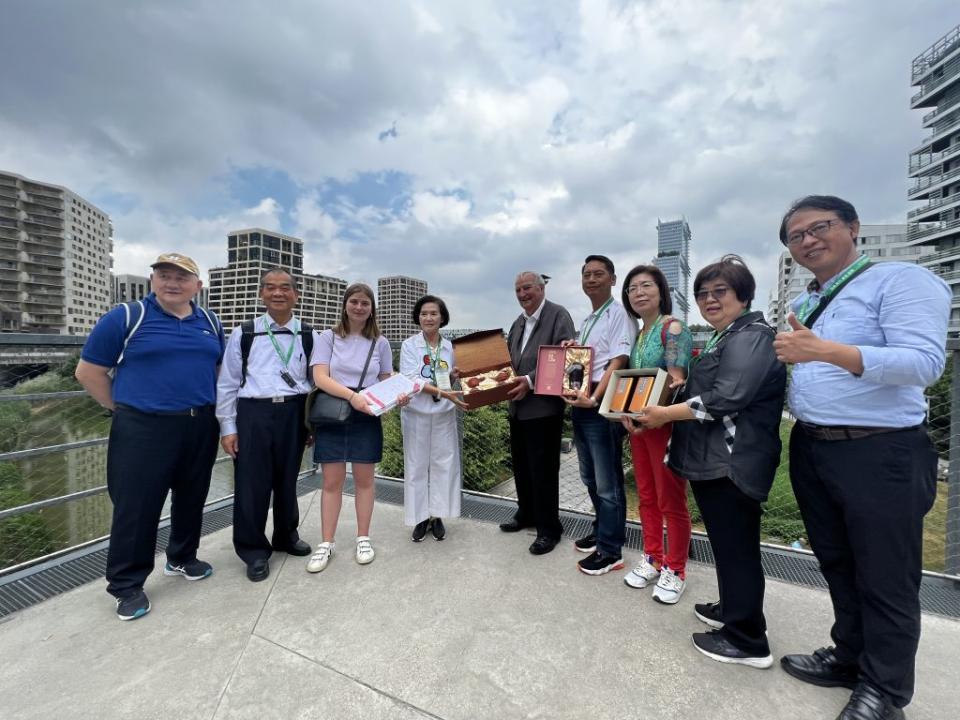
x: 463, y: 142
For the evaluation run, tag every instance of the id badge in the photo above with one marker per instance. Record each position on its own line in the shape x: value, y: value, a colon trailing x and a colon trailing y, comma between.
x: 288, y: 379
x: 443, y: 379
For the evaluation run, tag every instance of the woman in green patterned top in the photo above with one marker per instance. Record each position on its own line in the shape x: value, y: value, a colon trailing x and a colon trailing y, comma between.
x: 664, y: 342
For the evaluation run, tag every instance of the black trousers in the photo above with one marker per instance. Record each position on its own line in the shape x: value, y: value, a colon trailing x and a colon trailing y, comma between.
x: 271, y: 441
x: 732, y: 520
x: 863, y: 503
x: 535, y: 450
x: 147, y: 457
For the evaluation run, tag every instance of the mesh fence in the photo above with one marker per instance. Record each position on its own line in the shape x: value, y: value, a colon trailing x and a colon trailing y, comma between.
x: 53, y: 469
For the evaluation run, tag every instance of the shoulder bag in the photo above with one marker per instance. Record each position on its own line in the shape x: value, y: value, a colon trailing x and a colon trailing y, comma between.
x: 324, y: 409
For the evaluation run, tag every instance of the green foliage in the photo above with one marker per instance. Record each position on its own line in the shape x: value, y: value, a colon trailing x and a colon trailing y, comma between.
x: 22, y: 536
x: 392, y: 463
x: 69, y: 368
x: 486, y: 447
x: 938, y: 395
x: 57, y: 379
x: 13, y: 421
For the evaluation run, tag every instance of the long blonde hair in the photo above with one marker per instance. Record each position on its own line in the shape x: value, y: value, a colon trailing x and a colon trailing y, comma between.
x: 371, y: 330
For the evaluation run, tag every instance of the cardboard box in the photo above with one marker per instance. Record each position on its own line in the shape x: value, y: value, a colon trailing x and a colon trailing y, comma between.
x: 655, y: 392
x: 483, y: 360
x: 621, y: 393
x: 561, y: 370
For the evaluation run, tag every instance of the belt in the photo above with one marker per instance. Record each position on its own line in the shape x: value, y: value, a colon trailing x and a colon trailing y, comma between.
x: 847, y: 432
x: 277, y: 399
x: 191, y: 412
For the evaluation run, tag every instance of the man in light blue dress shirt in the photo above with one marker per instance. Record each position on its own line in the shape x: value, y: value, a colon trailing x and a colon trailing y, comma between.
x: 866, y: 339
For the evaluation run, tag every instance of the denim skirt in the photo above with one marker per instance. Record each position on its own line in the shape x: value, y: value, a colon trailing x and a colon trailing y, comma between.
x: 358, y: 440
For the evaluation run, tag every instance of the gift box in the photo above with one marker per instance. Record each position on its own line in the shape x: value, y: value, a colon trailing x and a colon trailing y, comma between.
x: 629, y: 391
x: 563, y: 370
x: 483, y: 361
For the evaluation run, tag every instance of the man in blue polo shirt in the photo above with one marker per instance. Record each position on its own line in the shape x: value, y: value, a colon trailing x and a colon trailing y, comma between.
x: 866, y: 340
x: 154, y: 364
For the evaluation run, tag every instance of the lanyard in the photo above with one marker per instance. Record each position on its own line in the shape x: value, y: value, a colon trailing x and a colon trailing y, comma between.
x: 276, y: 345
x: 434, y: 355
x: 636, y: 355
x: 596, y: 316
x: 810, y: 311
x: 712, y: 342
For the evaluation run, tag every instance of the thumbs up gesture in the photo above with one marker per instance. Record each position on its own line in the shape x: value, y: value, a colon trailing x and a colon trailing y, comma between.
x: 798, y: 345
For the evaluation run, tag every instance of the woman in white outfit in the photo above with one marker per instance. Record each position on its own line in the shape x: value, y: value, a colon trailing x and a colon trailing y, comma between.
x: 431, y: 451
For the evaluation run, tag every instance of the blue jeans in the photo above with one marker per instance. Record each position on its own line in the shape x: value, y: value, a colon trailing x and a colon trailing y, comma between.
x: 600, y: 451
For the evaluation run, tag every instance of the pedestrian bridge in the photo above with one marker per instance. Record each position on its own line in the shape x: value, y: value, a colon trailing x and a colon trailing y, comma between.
x: 471, y: 627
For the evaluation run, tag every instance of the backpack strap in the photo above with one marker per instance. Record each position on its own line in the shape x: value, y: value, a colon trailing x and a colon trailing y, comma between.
x: 129, y: 330
x: 306, y: 340
x: 246, y: 342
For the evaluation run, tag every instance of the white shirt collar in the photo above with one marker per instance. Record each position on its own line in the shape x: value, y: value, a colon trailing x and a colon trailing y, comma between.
x: 290, y: 325
x: 536, y: 313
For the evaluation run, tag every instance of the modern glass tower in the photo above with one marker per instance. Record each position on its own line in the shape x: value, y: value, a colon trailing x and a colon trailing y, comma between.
x: 934, y: 166
x: 673, y: 259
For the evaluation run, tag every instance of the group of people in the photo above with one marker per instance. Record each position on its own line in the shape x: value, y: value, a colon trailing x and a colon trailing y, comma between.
x: 865, y: 340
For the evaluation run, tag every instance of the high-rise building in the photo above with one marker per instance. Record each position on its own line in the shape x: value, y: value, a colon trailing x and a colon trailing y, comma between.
x: 879, y: 242
x: 673, y: 259
x: 235, y: 289
x: 55, y: 258
x: 396, y: 296
x: 935, y: 164
x: 126, y: 288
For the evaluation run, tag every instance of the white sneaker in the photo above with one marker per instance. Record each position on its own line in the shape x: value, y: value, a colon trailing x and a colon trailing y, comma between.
x: 642, y: 574
x: 318, y: 561
x: 669, y: 587
x: 365, y: 552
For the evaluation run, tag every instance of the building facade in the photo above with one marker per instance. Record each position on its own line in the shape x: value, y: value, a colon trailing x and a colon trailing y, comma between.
x: 879, y: 242
x: 673, y: 259
x: 55, y: 258
x: 126, y: 288
x: 396, y: 296
x: 934, y: 166
x: 234, y: 292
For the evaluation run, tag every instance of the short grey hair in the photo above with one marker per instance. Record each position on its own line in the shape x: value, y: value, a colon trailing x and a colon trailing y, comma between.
x: 537, y: 277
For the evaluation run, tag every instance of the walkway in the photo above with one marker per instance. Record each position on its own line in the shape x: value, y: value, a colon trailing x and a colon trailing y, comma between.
x: 473, y: 627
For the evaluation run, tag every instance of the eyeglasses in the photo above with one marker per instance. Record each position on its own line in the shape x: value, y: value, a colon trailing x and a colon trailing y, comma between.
x: 717, y: 294
x: 817, y: 230
x: 634, y: 289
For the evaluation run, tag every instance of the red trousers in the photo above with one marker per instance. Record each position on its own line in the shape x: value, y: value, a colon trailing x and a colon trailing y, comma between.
x: 663, y: 496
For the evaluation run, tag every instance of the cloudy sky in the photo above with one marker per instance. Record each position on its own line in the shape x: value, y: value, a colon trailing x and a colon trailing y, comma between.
x: 461, y: 142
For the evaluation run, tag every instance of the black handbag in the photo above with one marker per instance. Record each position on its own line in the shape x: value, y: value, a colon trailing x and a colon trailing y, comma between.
x: 324, y: 409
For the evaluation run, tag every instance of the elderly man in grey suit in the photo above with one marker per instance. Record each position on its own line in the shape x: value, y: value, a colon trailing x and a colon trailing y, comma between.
x: 536, y: 421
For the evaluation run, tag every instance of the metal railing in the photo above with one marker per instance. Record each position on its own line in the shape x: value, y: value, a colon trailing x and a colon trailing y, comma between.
x: 925, y: 182
x: 935, y: 53
x: 915, y: 232
x: 933, y: 205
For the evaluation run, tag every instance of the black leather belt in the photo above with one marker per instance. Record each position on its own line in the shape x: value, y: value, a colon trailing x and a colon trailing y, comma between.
x: 847, y: 432
x: 276, y: 399
x: 191, y: 412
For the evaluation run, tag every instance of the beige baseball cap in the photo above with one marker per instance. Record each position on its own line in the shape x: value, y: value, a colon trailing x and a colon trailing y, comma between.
x: 181, y: 261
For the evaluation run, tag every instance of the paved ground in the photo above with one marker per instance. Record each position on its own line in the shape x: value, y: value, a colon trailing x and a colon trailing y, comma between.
x: 473, y: 627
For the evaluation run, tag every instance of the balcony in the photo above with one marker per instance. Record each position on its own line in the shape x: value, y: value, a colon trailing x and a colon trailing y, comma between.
x: 928, y: 182
x: 921, y: 161
x: 936, y: 53
x: 42, y: 191
x: 932, y: 117
x: 928, y: 231
x: 931, y: 89
x: 933, y: 207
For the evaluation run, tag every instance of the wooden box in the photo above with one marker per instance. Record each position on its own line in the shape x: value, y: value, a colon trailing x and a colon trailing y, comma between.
x: 563, y: 370
x: 483, y: 360
x: 631, y: 390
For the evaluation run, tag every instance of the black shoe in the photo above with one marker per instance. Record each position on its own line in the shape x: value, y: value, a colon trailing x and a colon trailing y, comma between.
x: 439, y: 531
x: 420, y: 531
x: 599, y: 564
x: 299, y: 548
x: 822, y: 668
x: 513, y: 526
x: 716, y: 647
x: 543, y: 545
x: 586, y: 544
x: 709, y: 613
x: 868, y: 703
x: 258, y: 570
x: 133, y: 607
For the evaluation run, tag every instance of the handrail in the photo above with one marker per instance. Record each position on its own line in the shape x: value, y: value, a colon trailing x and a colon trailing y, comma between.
x: 936, y: 52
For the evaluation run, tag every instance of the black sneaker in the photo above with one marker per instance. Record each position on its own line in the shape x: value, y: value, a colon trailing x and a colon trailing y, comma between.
x: 716, y: 647
x: 133, y: 607
x: 709, y: 613
x: 439, y: 531
x: 586, y: 544
x: 420, y: 531
x: 191, y: 570
x: 597, y: 563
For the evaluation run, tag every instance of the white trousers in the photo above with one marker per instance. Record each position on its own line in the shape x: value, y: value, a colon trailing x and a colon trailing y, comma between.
x: 431, y: 466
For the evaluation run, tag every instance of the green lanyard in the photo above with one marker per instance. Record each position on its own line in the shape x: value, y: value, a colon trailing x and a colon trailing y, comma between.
x: 712, y: 342
x: 596, y: 316
x: 636, y: 355
x: 276, y: 345
x: 434, y: 355
x: 809, y: 307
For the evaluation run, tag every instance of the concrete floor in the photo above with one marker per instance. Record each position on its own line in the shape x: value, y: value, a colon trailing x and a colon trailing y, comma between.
x: 473, y: 627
